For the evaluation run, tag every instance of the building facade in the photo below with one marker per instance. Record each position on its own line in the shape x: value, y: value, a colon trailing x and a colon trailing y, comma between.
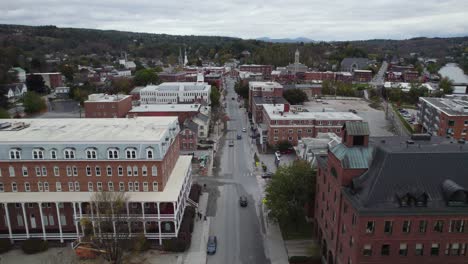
x: 107, y: 106
x: 362, y: 75
x: 282, y: 123
x: 265, y: 90
x: 182, y: 111
x: 372, y: 206
x: 51, y: 168
x: 265, y: 70
x: 444, y: 116
x: 176, y: 93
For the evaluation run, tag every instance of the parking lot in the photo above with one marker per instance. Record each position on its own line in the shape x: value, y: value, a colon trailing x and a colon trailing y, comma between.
x: 62, y: 109
x: 378, y: 125
x: 409, y: 115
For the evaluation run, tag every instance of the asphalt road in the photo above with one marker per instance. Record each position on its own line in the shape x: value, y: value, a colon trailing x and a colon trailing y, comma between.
x: 239, y: 230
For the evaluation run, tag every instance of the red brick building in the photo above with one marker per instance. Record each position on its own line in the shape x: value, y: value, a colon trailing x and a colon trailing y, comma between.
x: 107, y: 106
x: 182, y: 111
x: 280, y: 123
x: 188, y: 136
x: 259, y: 101
x: 362, y: 75
x: 172, y: 77
x: 319, y: 76
x: 392, y: 200
x: 411, y: 76
x: 265, y: 70
x: 51, y: 168
x: 264, y: 89
x: 344, y: 77
x: 444, y: 117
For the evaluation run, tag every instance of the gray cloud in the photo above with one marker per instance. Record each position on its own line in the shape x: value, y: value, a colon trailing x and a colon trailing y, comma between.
x: 316, y: 19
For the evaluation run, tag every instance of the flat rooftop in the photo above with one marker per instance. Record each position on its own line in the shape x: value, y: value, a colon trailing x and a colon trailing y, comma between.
x: 270, y: 85
x: 450, y: 106
x: 95, y: 98
x: 276, y: 112
x: 169, y: 194
x: 166, y: 108
x: 258, y: 100
x: 178, y: 86
x: 86, y: 129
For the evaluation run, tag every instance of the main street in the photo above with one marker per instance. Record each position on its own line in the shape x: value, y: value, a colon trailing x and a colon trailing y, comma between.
x: 239, y: 230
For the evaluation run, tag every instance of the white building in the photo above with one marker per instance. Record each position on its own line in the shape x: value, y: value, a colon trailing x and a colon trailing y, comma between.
x: 176, y: 92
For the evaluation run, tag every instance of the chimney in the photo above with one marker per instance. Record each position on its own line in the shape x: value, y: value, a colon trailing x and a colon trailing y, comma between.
x: 286, y: 108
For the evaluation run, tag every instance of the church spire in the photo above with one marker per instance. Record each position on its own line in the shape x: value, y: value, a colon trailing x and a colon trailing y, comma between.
x: 296, y: 57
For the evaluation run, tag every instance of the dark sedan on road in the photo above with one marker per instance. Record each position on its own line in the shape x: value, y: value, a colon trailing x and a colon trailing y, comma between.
x: 211, y: 245
x: 243, y: 201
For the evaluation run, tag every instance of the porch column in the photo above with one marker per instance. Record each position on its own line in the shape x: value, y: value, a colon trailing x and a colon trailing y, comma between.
x: 7, y: 214
x: 59, y: 221
x: 92, y: 218
x: 160, y: 232
x: 128, y: 219
x: 159, y: 212
x: 144, y: 221
x: 25, y: 220
x: 113, y: 221
x: 42, y: 221
x: 81, y: 217
x: 76, y: 222
x: 99, y: 221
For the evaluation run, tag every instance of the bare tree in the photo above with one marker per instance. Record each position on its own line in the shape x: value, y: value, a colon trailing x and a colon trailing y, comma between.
x: 109, y: 230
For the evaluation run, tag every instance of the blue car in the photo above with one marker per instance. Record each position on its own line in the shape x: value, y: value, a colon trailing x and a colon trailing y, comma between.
x: 211, y: 245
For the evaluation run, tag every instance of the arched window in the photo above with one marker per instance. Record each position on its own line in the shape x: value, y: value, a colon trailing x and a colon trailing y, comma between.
x: 38, y: 153
x: 130, y: 153
x: 129, y: 171
x: 154, y: 171
x: 130, y: 186
x: 40, y: 187
x: 113, y: 153
x: 122, y: 186
x: 90, y: 187
x: 27, y: 187
x: 120, y: 171
x: 144, y: 171
x: 91, y: 153
x: 135, y: 171
x: 155, y: 186
x: 53, y: 154
x: 145, y: 186
x: 88, y: 171
x: 110, y: 186
x: 149, y: 153
x: 14, y: 187
x: 25, y: 171
x: 11, y: 170
x: 137, y: 186
x: 69, y: 153
x: 109, y: 171
x: 77, y: 186
x: 46, y: 186
x: 15, y: 153
x: 99, y: 186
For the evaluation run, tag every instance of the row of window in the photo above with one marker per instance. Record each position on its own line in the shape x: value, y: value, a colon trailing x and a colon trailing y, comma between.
x: 455, y: 226
x: 49, y: 220
x: 90, y: 153
x: 306, y: 122
x: 75, y: 186
x: 73, y: 171
x: 451, y: 249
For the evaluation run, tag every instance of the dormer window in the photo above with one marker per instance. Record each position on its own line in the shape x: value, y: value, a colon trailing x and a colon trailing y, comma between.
x: 112, y: 153
x: 15, y: 153
x: 69, y: 153
x: 91, y: 153
x: 130, y: 153
x: 53, y: 154
x: 38, y: 154
x: 149, y: 153
x: 455, y: 195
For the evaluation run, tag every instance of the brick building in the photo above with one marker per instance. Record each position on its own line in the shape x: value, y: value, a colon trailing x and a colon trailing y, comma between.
x: 264, y: 89
x: 104, y: 105
x: 265, y: 70
x: 182, y: 111
x: 172, y: 77
x: 444, y: 116
x: 319, y: 76
x: 188, y: 135
x: 362, y: 75
x: 50, y: 169
x: 392, y: 200
x: 280, y: 123
x: 411, y: 76
x: 259, y: 101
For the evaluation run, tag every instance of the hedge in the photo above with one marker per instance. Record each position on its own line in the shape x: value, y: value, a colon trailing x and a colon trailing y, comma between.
x: 33, y: 246
x: 5, y: 245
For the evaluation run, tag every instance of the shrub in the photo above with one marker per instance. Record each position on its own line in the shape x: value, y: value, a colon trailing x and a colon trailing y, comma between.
x: 33, y: 246
x: 5, y: 245
x: 141, y: 243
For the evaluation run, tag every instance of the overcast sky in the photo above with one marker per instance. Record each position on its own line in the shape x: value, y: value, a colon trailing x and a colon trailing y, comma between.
x: 315, y: 19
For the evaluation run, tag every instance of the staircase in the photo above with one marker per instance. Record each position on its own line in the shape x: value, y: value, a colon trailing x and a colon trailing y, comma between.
x: 192, y: 203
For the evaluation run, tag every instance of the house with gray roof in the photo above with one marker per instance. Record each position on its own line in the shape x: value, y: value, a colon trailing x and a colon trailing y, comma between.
x: 352, y: 64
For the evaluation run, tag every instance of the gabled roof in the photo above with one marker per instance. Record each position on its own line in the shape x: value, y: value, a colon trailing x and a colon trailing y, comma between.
x: 360, y: 63
x: 357, y: 128
x: 189, y: 124
x: 353, y: 157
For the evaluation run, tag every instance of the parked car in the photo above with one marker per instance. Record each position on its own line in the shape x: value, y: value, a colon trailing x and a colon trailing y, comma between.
x: 243, y: 201
x: 231, y: 143
x: 267, y: 175
x: 211, y: 245
x: 244, y: 129
x: 239, y: 136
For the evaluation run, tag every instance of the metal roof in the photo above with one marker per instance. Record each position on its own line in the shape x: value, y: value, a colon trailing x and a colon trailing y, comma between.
x: 354, y: 157
x: 357, y: 128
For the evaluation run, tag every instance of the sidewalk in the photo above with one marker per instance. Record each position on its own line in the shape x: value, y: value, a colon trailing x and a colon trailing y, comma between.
x: 197, y: 251
x: 275, y: 247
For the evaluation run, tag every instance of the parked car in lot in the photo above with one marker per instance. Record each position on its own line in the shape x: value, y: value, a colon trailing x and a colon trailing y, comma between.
x: 211, y: 245
x: 243, y: 201
x: 267, y: 175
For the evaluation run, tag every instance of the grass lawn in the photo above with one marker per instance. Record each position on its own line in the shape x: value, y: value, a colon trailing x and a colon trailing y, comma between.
x: 302, y: 230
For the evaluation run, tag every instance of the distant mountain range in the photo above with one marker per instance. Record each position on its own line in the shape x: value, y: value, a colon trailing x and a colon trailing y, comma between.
x: 287, y: 40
